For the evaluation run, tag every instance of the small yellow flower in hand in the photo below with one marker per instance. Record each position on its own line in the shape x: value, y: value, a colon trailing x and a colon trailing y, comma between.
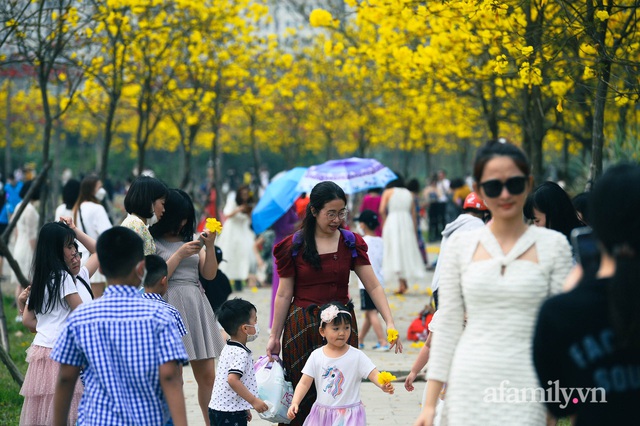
x: 392, y: 335
x: 385, y: 377
x: 213, y: 225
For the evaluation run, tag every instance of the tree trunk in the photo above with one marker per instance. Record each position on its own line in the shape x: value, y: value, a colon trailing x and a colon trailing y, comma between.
x: 362, y: 141
x: 108, y: 136
x: 599, y: 105
x: 253, y: 122
x: 8, y: 169
x: 600, y: 101
x: 328, y: 148
x: 46, y: 140
x: 186, y: 178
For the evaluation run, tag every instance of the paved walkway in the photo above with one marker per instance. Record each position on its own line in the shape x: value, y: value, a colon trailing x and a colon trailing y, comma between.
x: 382, y: 409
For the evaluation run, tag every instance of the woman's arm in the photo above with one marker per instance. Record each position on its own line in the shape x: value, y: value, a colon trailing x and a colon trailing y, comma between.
x: 376, y: 292
x: 208, y: 262
x: 382, y: 210
x: 280, y: 311
x: 434, y: 387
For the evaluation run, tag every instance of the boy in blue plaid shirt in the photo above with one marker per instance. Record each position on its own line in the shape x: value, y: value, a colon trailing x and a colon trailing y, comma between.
x: 129, y: 347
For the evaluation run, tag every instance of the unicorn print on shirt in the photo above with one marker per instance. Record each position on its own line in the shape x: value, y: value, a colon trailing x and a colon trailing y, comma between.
x: 335, y: 380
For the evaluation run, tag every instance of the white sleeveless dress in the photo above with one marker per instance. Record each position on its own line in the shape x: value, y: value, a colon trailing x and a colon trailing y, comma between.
x: 402, y: 257
x: 488, y: 361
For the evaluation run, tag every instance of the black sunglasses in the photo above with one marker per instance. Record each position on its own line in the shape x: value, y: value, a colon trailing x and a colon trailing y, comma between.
x: 515, y: 186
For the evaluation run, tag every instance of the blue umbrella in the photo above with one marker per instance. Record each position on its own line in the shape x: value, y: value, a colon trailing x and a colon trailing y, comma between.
x: 278, y: 197
x: 351, y: 174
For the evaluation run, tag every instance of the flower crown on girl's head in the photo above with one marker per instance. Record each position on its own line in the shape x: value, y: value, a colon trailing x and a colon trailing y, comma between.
x: 330, y: 313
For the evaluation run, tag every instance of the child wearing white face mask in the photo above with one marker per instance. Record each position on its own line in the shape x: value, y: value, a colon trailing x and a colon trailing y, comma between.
x: 236, y: 391
x: 92, y: 218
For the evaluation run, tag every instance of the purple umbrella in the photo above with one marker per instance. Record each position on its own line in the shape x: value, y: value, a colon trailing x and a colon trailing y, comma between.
x: 351, y: 174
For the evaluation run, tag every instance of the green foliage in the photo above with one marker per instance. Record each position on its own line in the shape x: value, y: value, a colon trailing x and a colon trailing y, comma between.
x: 19, y: 340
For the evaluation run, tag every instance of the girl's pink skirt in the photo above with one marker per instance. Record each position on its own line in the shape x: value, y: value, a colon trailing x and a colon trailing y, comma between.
x: 38, y: 389
x: 346, y: 415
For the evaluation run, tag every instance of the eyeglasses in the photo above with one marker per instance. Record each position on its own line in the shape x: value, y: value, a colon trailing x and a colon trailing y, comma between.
x: 342, y: 214
x: 76, y: 254
x: 515, y: 186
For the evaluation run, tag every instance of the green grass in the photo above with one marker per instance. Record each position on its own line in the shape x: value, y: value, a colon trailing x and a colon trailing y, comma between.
x: 19, y: 340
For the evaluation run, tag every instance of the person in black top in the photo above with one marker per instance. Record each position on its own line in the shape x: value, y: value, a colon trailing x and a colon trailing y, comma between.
x: 219, y: 288
x: 587, y: 342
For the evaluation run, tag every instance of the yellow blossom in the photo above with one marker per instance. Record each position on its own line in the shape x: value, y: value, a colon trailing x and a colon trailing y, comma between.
x: 320, y: 18
x: 602, y: 15
x: 213, y: 225
x: 392, y: 335
x: 385, y: 377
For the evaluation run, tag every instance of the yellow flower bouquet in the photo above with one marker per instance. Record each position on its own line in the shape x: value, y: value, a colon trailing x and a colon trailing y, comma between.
x: 213, y: 225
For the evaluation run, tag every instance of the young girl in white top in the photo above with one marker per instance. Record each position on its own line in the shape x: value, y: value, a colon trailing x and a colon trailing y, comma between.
x: 337, y: 369
x: 59, y: 285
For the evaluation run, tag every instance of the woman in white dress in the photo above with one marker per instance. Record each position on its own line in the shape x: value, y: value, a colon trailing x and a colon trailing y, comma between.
x: 26, y: 236
x: 402, y: 263
x: 91, y: 217
x: 497, y: 275
x: 237, y: 237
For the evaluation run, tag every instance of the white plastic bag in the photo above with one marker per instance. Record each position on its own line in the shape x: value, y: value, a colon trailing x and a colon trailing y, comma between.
x: 273, y: 390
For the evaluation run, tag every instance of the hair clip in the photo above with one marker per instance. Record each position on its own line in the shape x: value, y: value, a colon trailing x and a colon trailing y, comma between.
x: 330, y: 313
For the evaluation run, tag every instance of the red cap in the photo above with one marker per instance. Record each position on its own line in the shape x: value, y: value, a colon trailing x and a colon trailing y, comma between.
x: 474, y: 202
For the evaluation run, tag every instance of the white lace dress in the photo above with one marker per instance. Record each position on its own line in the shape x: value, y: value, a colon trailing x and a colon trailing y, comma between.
x: 402, y: 257
x: 501, y: 296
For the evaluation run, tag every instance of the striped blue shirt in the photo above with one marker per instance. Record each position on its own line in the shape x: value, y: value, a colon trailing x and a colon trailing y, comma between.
x: 120, y: 340
x: 176, y: 314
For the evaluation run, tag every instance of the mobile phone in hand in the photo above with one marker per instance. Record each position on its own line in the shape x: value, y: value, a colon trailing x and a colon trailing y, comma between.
x: 200, y: 239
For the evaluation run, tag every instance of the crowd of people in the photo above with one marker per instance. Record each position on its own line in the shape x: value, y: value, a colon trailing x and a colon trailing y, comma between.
x: 518, y: 306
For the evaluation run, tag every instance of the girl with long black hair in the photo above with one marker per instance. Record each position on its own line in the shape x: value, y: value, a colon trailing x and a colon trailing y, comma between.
x: 58, y: 286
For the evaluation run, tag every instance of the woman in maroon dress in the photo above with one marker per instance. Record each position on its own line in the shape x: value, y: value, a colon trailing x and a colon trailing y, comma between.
x: 314, y: 267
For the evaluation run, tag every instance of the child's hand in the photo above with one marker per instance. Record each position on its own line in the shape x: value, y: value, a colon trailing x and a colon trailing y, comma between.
x: 22, y: 298
x: 249, y: 416
x: 293, y: 410
x: 388, y: 388
x: 259, y: 405
x: 408, y: 383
